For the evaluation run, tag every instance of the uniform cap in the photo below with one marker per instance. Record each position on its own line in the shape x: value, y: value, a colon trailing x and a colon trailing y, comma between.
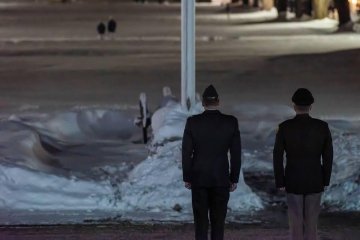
x: 210, y: 93
x: 303, y: 97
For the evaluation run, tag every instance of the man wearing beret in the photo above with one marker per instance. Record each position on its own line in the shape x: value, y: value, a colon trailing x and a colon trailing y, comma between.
x: 208, y: 137
x: 309, y: 155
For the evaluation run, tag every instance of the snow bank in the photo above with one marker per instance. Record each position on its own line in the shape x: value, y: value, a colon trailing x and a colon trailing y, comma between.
x: 26, y: 141
x: 156, y: 184
x: 169, y: 122
x: 344, y: 190
x: 258, y: 126
x: 84, y: 125
x: 31, y: 177
x: 20, y: 145
x: 27, y: 189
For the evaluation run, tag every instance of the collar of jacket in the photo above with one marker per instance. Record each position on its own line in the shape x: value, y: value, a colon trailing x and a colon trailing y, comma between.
x: 211, y: 111
x: 303, y: 115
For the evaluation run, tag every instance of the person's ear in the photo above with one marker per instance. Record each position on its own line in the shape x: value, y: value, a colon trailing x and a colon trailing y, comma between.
x: 310, y: 108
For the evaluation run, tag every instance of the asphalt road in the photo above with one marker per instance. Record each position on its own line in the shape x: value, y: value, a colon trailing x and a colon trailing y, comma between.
x: 166, y: 232
x: 271, y: 225
x: 50, y: 57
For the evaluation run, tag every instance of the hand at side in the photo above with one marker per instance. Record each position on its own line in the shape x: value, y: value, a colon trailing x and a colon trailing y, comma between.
x: 233, y: 186
x: 188, y: 185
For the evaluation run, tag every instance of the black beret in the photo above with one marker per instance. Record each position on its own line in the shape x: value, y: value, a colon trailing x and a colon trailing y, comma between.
x: 210, y: 93
x: 303, y: 97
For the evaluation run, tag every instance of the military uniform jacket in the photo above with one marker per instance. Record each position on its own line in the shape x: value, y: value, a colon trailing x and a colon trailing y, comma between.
x: 208, y: 137
x: 308, y: 147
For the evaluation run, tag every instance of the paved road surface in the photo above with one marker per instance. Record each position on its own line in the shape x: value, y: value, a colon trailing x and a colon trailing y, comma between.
x: 160, y: 232
x: 50, y: 57
x: 332, y: 226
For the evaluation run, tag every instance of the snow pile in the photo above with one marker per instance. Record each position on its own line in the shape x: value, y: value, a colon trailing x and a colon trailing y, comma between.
x: 21, y: 145
x: 84, y: 125
x: 28, y: 141
x: 169, y: 122
x: 31, y: 176
x: 258, y: 127
x: 156, y: 184
x: 27, y: 189
x: 258, y: 124
x: 344, y: 190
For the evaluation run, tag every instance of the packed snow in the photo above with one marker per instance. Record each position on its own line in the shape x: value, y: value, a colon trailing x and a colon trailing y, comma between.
x: 160, y: 176
x: 32, y: 176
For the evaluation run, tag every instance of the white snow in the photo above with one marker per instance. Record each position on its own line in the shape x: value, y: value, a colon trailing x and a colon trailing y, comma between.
x: 25, y: 189
x: 156, y: 184
x: 344, y: 190
x: 84, y: 125
x: 31, y: 179
x: 262, y: 15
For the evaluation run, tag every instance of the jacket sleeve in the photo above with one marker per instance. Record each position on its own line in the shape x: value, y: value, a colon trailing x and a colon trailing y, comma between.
x: 278, y: 159
x: 235, y: 154
x: 187, y: 152
x: 327, y: 157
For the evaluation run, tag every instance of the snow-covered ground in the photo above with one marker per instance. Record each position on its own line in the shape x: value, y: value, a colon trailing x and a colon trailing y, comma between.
x: 33, y: 179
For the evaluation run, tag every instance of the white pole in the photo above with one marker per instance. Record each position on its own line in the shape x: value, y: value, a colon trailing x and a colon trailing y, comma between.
x: 187, y: 53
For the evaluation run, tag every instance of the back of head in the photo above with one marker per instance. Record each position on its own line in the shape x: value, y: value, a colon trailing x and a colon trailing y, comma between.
x: 210, y: 97
x: 302, y: 99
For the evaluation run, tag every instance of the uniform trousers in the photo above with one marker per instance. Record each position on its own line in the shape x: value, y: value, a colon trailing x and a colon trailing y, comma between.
x: 303, y: 212
x: 209, y: 203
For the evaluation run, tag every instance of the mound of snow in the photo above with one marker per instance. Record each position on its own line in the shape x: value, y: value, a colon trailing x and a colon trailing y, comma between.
x: 27, y: 189
x: 344, y: 190
x: 20, y: 145
x: 84, y: 125
x: 156, y: 184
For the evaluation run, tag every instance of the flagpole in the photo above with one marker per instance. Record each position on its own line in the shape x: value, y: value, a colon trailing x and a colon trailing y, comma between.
x: 188, y: 53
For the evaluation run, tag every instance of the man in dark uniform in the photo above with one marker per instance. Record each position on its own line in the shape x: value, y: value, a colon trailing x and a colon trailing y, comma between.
x: 111, y: 26
x: 309, y: 155
x: 208, y: 137
x: 101, y: 29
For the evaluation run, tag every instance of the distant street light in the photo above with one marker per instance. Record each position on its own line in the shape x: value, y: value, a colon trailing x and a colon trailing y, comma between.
x: 188, y: 53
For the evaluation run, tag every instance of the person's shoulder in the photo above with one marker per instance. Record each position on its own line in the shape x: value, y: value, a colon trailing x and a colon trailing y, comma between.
x: 194, y: 117
x: 228, y: 117
x: 320, y: 122
x: 286, y: 123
